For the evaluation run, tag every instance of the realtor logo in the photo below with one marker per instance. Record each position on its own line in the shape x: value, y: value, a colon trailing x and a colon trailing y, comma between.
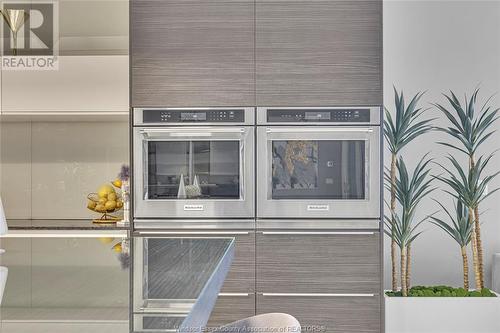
x: 30, y: 31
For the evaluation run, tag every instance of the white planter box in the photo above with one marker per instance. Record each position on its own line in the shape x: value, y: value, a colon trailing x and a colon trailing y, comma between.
x: 442, y: 314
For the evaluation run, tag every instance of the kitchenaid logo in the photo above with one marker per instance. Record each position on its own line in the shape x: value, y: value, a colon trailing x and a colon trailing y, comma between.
x: 194, y: 207
x: 318, y: 207
x: 30, y: 30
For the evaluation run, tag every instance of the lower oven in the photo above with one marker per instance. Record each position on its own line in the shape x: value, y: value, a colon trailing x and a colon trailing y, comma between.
x: 318, y: 163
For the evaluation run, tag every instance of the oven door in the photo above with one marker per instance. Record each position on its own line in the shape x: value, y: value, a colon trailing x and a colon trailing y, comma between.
x: 193, y: 172
x: 318, y: 172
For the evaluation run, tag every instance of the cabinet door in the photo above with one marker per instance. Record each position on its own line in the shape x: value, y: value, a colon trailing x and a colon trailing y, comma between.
x: 241, y: 276
x: 231, y: 307
x: 318, y: 262
x: 90, y: 72
x: 327, y: 314
x: 314, y: 53
x: 192, y: 53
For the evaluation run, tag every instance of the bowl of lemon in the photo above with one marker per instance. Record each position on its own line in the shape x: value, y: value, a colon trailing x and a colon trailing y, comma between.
x: 106, y: 202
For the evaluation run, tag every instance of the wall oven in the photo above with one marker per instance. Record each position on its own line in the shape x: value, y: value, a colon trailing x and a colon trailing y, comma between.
x: 318, y: 162
x: 193, y: 163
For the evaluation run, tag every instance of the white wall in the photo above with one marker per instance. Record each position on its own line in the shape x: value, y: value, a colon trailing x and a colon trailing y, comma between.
x: 438, y: 46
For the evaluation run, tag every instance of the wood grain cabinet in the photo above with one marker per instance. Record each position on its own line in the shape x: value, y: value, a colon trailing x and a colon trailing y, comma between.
x: 329, y: 280
x: 318, y: 262
x: 311, y: 53
x: 231, y: 307
x: 327, y: 314
x: 192, y: 53
x: 237, y: 297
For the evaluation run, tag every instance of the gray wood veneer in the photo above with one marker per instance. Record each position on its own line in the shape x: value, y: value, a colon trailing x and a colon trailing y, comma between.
x: 192, y: 53
x: 318, y: 263
x: 180, y: 268
x: 327, y: 314
x: 311, y: 53
x: 231, y: 308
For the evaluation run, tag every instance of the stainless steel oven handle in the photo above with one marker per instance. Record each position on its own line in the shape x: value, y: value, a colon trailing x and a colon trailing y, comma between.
x: 234, y: 294
x: 190, y: 131
x: 318, y: 233
x: 193, y: 232
x: 316, y: 295
x: 320, y: 129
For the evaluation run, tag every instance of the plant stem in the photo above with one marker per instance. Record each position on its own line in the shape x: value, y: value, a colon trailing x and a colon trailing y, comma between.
x: 477, y: 226
x: 404, y: 290
x: 479, y: 245
x: 466, y: 267
x: 475, y: 260
x: 408, y: 266
x: 393, y: 211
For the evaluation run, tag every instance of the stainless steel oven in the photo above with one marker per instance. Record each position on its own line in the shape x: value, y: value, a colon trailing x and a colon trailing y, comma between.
x: 194, y: 163
x: 318, y: 162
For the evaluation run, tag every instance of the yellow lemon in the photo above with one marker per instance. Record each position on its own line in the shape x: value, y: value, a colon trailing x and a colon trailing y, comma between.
x: 119, y: 204
x: 100, y: 208
x: 104, y: 190
x: 91, y: 205
x: 110, y: 205
x: 112, y: 196
x: 117, y: 182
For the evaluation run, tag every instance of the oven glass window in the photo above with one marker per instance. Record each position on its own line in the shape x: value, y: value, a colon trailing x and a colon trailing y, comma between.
x: 193, y: 170
x: 321, y: 169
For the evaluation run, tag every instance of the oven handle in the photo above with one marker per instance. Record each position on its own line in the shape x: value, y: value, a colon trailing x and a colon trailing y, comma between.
x: 318, y: 233
x: 190, y: 131
x: 194, y: 233
x: 319, y: 129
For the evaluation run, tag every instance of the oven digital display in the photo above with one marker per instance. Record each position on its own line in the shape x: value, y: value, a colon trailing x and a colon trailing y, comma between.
x: 153, y: 116
x: 317, y: 116
x: 337, y: 115
x: 187, y: 116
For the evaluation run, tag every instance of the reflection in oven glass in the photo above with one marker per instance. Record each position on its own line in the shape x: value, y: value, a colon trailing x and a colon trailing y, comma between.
x: 193, y: 170
x: 322, y: 169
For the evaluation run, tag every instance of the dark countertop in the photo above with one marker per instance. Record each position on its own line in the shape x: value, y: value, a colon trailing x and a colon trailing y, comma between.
x: 15, y: 224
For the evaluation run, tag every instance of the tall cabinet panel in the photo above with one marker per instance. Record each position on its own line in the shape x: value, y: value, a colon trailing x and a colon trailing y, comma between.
x: 311, y: 53
x: 87, y: 69
x: 192, y: 53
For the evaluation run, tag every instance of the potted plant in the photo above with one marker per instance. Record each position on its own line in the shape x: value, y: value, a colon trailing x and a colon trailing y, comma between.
x: 399, y: 131
x: 444, y: 308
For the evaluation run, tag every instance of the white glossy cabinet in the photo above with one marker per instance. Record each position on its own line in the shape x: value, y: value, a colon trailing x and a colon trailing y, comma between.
x: 92, y: 72
x: 81, y: 85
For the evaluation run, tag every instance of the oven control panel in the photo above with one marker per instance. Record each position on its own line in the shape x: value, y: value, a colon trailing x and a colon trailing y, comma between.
x: 193, y: 116
x: 336, y: 115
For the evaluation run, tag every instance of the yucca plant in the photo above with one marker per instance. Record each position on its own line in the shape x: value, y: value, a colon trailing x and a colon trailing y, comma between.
x: 409, y: 189
x: 399, y: 131
x: 409, y: 192
x: 471, y: 126
x: 460, y: 229
x: 471, y: 189
x: 403, y: 230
